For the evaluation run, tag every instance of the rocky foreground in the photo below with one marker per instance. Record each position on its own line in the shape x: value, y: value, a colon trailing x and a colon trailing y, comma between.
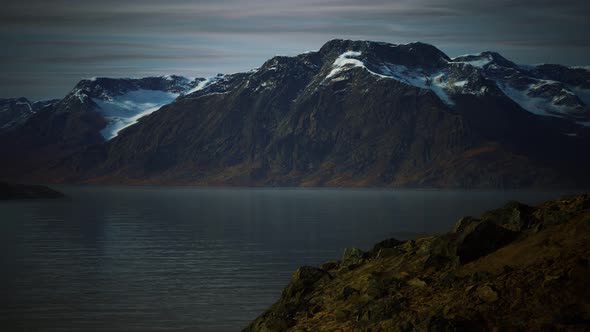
x: 514, y: 268
x: 23, y: 191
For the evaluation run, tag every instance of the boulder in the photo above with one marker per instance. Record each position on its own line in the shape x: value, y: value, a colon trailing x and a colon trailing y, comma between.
x: 487, y: 293
x: 417, y: 282
x: 485, y: 238
x: 352, y: 256
x: 386, y: 248
x: 470, y: 239
x: 463, y: 223
x: 514, y: 216
x: 303, y: 280
x: 330, y: 265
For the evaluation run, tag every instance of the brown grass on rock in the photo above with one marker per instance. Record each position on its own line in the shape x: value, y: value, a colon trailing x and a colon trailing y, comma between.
x: 518, y: 268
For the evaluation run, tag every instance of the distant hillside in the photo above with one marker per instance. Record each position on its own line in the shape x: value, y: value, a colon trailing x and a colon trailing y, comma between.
x: 22, y: 191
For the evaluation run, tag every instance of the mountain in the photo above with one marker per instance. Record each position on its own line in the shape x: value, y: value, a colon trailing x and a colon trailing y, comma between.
x: 545, y: 89
x: 16, y: 111
x: 44, y: 133
x: 122, y: 101
x: 354, y: 113
x: 517, y: 268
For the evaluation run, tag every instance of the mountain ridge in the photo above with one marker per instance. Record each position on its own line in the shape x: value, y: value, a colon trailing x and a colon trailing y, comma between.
x: 354, y: 113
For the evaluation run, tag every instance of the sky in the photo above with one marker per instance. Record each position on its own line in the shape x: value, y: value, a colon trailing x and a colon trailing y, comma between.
x: 47, y: 46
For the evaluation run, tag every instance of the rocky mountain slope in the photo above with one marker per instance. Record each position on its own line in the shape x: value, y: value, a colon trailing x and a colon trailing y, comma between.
x: 122, y: 102
x: 35, y: 136
x: 16, y: 111
x: 517, y: 268
x: 354, y: 113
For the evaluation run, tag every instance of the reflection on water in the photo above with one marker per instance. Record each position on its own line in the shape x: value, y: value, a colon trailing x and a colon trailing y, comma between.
x: 144, y: 258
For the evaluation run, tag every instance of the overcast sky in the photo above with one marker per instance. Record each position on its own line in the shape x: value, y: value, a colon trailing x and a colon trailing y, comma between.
x: 46, y: 46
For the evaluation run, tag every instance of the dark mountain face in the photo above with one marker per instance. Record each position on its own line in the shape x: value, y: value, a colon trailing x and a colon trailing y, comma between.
x: 577, y: 77
x: 16, y: 111
x: 46, y: 132
x: 354, y: 113
x: 322, y: 135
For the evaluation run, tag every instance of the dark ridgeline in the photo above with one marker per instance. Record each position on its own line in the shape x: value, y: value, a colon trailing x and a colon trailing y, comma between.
x: 297, y: 122
x: 16, y: 111
x: 22, y: 191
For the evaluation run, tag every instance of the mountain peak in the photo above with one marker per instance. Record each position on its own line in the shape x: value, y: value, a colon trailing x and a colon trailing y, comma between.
x: 484, y: 58
x: 415, y: 54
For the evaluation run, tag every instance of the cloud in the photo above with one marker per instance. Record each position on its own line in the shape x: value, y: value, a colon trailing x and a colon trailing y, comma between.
x: 144, y: 36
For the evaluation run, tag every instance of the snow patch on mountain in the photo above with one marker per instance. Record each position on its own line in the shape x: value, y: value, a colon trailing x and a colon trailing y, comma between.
x: 478, y: 60
x: 81, y: 96
x: 413, y: 77
x: 529, y: 87
x: 26, y: 104
x: 547, y: 97
x: 436, y: 82
x: 206, y: 83
x: 125, y: 110
x: 536, y: 105
x: 265, y: 85
x: 586, y: 68
x: 347, y: 59
x: 460, y: 84
x: 200, y: 86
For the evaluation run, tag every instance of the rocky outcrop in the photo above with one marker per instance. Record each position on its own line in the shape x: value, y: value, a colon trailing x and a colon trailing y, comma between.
x: 515, y: 268
x: 22, y: 191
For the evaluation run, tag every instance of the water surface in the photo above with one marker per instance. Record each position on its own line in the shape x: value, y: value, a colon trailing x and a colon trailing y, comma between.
x: 194, y: 259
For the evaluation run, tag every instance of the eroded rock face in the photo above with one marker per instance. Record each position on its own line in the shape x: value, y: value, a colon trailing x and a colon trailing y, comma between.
x: 296, y: 297
x: 304, y: 279
x: 486, y: 237
x: 13, y: 112
x: 514, y: 268
x: 386, y: 248
x: 352, y: 256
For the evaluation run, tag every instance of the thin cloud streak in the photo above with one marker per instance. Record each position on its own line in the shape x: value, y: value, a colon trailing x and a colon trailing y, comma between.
x: 153, y: 36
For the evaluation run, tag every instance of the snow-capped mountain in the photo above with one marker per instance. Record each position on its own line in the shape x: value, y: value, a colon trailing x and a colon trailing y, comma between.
x: 124, y: 101
x: 548, y: 90
x: 16, y: 111
x: 354, y: 113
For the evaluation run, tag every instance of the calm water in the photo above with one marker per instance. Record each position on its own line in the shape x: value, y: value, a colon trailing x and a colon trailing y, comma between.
x: 186, y: 259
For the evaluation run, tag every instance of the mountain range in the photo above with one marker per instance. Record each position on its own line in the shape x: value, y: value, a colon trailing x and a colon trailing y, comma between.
x: 352, y: 114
